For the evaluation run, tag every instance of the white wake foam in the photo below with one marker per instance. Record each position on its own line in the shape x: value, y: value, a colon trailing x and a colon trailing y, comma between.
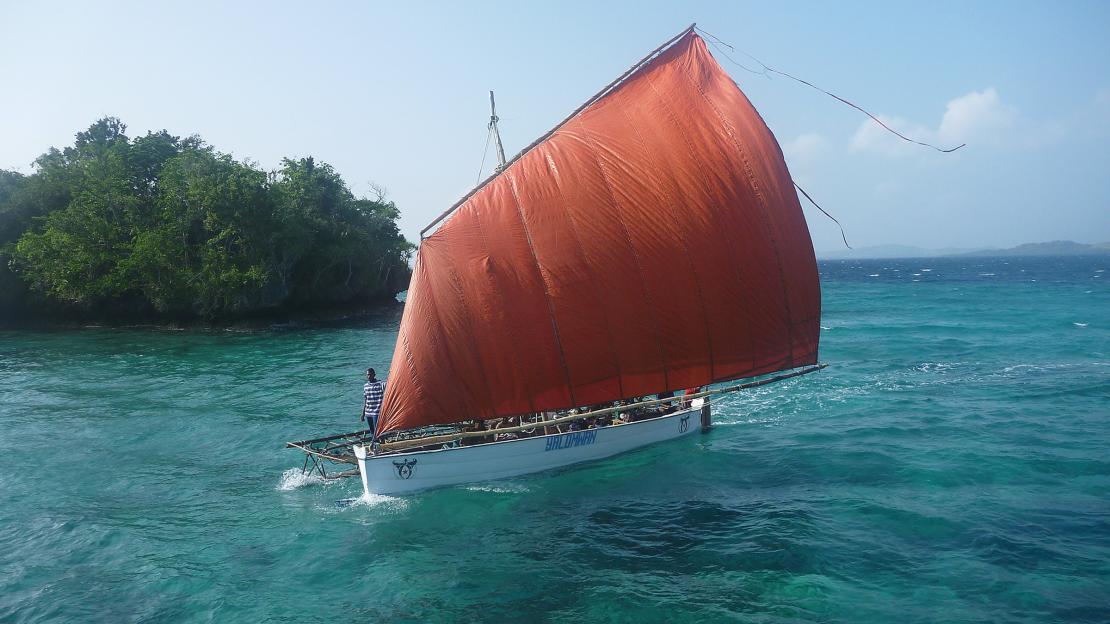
x: 371, y: 501
x: 293, y: 478
x: 498, y: 488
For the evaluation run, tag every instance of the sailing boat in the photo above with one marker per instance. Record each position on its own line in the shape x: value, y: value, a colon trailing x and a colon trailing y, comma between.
x: 651, y: 243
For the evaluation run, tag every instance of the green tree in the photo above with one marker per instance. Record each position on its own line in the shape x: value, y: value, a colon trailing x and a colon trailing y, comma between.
x: 342, y: 248
x: 75, y: 258
x: 15, y: 216
x: 199, y: 258
x: 169, y: 227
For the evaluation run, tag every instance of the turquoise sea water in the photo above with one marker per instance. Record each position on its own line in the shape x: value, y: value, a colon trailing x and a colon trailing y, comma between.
x: 953, y: 465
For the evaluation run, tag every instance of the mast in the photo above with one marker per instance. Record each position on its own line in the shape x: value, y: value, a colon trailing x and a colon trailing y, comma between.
x: 597, y: 96
x: 496, y: 135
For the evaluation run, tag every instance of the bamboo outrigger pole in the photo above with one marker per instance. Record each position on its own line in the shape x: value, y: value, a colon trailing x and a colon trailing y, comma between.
x: 386, y: 447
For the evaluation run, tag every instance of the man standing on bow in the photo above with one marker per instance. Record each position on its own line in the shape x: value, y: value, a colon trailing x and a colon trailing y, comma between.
x: 372, y: 394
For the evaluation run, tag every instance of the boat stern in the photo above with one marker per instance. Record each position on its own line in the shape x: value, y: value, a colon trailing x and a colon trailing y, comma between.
x: 360, y: 456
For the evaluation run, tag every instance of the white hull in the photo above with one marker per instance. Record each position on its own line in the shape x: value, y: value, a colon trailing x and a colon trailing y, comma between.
x: 419, y: 470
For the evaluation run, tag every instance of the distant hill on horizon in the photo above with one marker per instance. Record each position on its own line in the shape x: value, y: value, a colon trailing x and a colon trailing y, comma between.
x: 1052, y: 248
x: 891, y: 251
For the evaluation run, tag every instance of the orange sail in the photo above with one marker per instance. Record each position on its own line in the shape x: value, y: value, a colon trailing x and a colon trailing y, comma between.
x: 651, y: 242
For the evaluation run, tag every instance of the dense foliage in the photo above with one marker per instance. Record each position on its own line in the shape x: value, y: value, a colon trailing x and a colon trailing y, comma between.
x: 164, y: 227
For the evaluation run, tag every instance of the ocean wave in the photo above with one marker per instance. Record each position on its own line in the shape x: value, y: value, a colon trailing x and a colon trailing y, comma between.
x: 1044, y: 368
x: 936, y: 367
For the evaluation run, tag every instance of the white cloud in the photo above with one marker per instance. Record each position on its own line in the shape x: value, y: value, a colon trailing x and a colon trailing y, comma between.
x: 978, y: 117
x: 979, y: 114
x: 805, y: 148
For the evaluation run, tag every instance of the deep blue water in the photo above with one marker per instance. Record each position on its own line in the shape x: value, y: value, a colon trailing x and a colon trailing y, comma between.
x: 952, y: 465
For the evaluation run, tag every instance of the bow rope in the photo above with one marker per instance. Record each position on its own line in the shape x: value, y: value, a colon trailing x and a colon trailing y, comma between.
x: 717, y: 43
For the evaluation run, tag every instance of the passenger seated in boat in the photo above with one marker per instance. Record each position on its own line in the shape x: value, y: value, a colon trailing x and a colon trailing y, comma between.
x: 637, y: 413
x: 668, y: 407
x: 688, y: 392
x: 618, y: 417
x: 502, y: 423
x: 529, y: 419
x: 477, y: 425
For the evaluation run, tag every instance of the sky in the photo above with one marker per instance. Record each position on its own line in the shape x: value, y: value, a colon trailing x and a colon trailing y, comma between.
x: 396, y: 95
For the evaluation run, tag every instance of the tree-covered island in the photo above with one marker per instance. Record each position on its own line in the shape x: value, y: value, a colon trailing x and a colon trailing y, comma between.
x: 165, y: 228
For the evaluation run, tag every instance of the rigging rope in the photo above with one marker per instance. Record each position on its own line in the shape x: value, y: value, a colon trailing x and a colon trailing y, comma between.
x: 489, y: 133
x: 842, y: 236
x: 767, y: 68
x: 732, y: 60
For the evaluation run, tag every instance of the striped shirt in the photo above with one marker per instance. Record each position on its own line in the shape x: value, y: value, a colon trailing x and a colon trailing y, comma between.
x: 372, y: 394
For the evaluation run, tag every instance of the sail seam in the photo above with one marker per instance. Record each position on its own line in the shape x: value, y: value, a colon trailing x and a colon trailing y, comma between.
x: 733, y: 252
x: 546, y: 290
x: 412, y: 369
x: 728, y: 240
x: 681, y: 230
x: 457, y: 288
x: 439, y: 318
x: 762, y: 200
x: 599, y: 292
x: 635, y: 254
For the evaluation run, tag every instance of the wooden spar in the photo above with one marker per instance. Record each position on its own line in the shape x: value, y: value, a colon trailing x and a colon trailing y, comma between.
x: 597, y: 96
x: 311, y: 451
x: 333, y: 443
x: 451, y: 437
x: 352, y: 434
x: 496, y: 134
